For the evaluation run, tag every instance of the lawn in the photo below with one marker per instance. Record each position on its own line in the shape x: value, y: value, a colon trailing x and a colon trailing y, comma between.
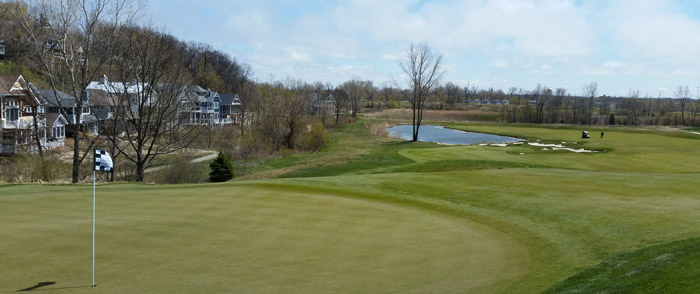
x: 376, y: 215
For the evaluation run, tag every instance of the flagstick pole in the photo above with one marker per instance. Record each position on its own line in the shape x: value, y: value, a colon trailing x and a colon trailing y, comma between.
x: 93, y: 228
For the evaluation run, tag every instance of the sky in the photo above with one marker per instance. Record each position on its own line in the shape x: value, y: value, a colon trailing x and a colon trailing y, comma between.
x: 644, y: 45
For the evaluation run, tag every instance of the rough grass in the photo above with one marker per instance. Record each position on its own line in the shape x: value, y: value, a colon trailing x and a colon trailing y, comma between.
x: 666, y: 268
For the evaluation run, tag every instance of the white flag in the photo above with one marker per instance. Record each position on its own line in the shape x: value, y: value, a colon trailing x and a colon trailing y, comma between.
x: 103, y: 162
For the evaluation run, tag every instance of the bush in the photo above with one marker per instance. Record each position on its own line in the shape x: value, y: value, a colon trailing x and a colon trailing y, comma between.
x: 181, y: 171
x: 315, y: 138
x: 30, y: 168
x: 221, y: 169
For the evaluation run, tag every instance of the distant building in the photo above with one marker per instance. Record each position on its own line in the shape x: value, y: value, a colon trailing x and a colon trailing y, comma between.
x: 230, y: 108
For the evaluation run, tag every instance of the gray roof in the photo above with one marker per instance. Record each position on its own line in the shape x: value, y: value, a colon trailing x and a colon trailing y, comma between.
x: 230, y: 99
x: 53, y: 99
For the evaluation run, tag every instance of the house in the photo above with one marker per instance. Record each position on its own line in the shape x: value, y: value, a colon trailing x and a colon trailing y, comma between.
x: 476, y: 101
x: 55, y: 133
x: 468, y: 101
x: 321, y: 102
x: 2, y: 50
x: 496, y: 101
x: 129, y: 95
x: 532, y: 102
x: 23, y: 118
x: 202, y: 105
x: 61, y: 103
x: 505, y: 102
x: 230, y: 108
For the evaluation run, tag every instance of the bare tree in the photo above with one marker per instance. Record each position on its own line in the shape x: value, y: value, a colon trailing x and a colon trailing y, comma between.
x: 73, y: 43
x: 422, y: 70
x: 555, y: 104
x: 341, y: 102
x: 590, y: 91
x: 683, y: 95
x: 370, y: 91
x: 388, y: 94
x: 148, y: 99
x: 354, y: 89
x: 250, y: 96
x: 453, y: 93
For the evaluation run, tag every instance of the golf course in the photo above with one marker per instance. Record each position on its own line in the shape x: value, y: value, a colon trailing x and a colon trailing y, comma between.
x: 371, y: 214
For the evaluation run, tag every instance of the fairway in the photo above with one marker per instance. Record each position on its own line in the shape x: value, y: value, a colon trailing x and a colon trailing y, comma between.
x: 376, y: 215
x: 224, y: 238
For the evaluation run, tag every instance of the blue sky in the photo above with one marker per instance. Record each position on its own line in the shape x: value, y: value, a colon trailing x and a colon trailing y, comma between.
x: 650, y: 46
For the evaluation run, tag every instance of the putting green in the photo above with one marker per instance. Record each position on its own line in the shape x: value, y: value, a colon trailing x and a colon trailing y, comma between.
x: 237, y: 239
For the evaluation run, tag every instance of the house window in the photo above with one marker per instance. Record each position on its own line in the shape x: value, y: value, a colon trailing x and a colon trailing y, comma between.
x: 216, y: 105
x: 12, y: 114
x: 86, y: 109
x: 27, y: 109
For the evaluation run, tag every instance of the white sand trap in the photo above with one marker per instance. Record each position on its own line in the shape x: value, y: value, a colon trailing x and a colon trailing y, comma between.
x: 560, y: 147
x: 694, y: 133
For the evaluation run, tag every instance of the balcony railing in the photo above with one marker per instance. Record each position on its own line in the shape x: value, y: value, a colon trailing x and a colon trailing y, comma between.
x: 25, y: 122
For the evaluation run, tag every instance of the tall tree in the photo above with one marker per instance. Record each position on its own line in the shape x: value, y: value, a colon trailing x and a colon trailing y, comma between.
x: 341, y: 102
x: 422, y: 68
x: 590, y: 91
x: 683, y: 95
x: 355, y: 91
x: 148, y: 99
x: 81, y: 36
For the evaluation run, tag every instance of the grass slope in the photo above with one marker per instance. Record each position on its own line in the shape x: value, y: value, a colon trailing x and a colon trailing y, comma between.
x: 666, y: 268
x: 513, y: 219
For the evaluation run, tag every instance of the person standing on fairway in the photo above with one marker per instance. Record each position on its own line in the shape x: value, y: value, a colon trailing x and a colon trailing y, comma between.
x: 601, y: 135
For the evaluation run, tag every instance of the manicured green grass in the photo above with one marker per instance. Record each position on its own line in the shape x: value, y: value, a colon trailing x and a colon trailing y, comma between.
x: 371, y: 214
x: 237, y: 239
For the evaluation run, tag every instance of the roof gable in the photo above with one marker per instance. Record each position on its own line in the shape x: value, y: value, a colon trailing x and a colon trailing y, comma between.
x: 12, y: 84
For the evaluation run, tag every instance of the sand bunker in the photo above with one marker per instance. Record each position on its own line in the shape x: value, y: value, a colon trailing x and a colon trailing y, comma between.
x: 560, y: 147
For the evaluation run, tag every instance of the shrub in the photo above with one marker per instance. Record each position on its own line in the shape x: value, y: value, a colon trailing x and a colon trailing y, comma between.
x: 315, y: 138
x: 221, y: 169
x: 182, y: 171
x: 611, y: 120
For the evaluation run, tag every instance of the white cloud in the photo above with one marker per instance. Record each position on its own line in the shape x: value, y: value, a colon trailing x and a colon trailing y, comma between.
x: 560, y: 42
x: 300, y: 56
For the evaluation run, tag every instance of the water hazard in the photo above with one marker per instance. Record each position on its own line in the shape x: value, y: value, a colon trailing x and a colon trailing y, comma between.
x: 439, y: 134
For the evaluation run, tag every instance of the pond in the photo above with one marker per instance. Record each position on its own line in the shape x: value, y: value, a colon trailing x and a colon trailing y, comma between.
x: 442, y: 135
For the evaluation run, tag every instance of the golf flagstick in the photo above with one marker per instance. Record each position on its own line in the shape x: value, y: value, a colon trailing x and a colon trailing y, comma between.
x: 93, y: 228
x: 102, y: 162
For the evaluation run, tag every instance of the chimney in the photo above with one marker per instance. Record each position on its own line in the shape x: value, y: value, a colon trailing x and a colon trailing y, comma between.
x: 103, y: 79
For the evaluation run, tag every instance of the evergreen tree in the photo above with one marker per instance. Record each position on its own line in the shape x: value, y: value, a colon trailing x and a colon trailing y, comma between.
x: 221, y: 169
x: 611, y: 119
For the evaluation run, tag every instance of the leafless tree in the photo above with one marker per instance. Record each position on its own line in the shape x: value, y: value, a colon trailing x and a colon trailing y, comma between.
x: 341, y: 102
x: 370, y: 90
x: 590, y: 91
x: 148, y: 99
x: 250, y: 97
x: 422, y: 69
x: 388, y: 94
x: 683, y: 95
x: 555, y: 104
x: 73, y: 47
x: 355, y: 91
x: 453, y: 95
